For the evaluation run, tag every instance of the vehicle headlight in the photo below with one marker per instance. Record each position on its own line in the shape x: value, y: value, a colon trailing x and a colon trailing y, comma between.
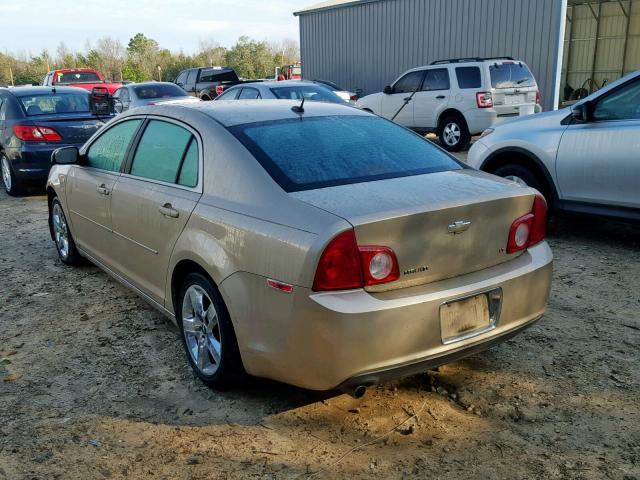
x: 487, y: 132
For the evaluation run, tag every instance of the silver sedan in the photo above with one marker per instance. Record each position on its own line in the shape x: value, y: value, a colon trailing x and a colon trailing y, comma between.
x: 284, y: 90
x: 148, y: 93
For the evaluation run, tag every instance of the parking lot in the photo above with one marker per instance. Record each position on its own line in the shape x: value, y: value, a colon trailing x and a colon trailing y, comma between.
x: 95, y: 385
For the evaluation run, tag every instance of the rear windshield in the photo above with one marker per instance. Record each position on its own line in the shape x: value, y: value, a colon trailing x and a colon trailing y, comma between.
x: 511, y: 75
x: 319, y: 152
x: 76, y: 77
x: 217, y: 75
x: 55, y: 103
x: 146, y: 92
x: 308, y: 92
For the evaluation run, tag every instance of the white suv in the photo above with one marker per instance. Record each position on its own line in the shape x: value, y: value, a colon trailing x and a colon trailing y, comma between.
x: 457, y: 98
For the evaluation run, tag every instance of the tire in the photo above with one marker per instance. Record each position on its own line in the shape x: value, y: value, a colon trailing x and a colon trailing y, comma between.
x: 65, y: 245
x: 9, y: 181
x: 453, y: 133
x: 521, y: 175
x: 207, y: 336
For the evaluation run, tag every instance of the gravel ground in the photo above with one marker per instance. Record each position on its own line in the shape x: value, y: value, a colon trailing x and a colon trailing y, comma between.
x: 94, y: 384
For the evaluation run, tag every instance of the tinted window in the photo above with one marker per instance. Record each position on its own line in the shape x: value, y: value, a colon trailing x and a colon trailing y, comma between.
x: 511, y: 75
x: 217, y: 75
x: 146, y: 92
x: 314, y: 93
x: 325, y: 151
x: 621, y: 105
x: 468, y: 77
x: 329, y: 85
x: 409, y: 83
x: 436, y: 79
x: 108, y: 151
x: 229, y: 94
x: 182, y: 78
x: 58, y: 103
x: 160, y: 152
x: 191, y: 77
x: 249, y: 94
x: 76, y: 77
x: 189, y: 171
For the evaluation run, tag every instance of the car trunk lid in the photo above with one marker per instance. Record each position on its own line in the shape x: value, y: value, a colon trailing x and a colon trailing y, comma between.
x: 439, y: 225
x: 514, y: 88
x: 74, y: 128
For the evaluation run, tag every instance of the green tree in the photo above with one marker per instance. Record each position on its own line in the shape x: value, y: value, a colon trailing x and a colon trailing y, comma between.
x: 250, y: 58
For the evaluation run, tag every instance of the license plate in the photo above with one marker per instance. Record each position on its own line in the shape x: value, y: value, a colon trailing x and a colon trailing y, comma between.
x: 465, y: 318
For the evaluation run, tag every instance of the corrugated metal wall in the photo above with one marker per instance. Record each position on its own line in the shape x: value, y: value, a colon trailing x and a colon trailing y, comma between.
x: 616, y: 51
x: 367, y: 46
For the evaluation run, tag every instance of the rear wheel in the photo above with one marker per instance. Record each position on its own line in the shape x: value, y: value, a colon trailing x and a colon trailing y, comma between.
x: 9, y: 180
x: 207, y: 334
x: 453, y: 133
x: 520, y: 175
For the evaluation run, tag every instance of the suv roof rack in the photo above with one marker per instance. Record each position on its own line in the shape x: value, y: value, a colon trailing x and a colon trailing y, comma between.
x: 469, y: 59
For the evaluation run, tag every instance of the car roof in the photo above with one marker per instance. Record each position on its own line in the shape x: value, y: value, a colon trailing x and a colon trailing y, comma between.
x: 240, y: 112
x: 25, y: 91
x: 275, y: 83
x: 66, y: 70
x: 144, y: 84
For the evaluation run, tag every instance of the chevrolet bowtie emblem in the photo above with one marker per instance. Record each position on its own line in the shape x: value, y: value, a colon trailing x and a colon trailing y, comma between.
x: 458, y: 227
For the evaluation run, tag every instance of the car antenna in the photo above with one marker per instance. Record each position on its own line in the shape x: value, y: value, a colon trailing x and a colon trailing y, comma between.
x: 299, y: 108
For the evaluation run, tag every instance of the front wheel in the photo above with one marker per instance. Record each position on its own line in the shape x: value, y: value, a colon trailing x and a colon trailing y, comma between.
x: 9, y: 180
x: 454, y: 134
x: 65, y: 245
x: 207, y: 333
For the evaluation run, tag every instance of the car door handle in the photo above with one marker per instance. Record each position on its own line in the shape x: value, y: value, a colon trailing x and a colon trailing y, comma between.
x: 441, y: 97
x: 168, y: 211
x: 103, y: 190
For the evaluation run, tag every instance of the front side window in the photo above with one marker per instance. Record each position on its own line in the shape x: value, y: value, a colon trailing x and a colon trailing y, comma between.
x: 318, y: 152
x: 55, y: 103
x: 468, y: 77
x: 409, y: 83
x: 109, y: 150
x: 436, y: 79
x: 182, y: 78
x: 191, y: 78
x: 623, y: 104
x: 162, y: 151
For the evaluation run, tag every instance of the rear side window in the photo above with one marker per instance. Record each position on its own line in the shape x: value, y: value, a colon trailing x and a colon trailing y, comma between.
x: 189, y: 171
x: 409, y: 83
x: 108, y: 151
x: 317, y: 152
x: 162, y: 151
x: 468, y: 77
x: 191, y: 77
x: 229, y: 94
x: 146, y: 92
x: 308, y: 92
x: 511, y: 75
x: 249, y: 94
x: 436, y: 79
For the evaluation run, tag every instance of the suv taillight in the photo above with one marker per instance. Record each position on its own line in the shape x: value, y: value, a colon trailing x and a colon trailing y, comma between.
x: 344, y: 265
x: 353, y: 98
x: 484, y: 99
x: 36, y: 133
x: 219, y: 90
x: 529, y: 229
x: 537, y: 97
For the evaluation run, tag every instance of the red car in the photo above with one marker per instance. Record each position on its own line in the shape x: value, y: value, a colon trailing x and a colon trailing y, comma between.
x: 86, y: 78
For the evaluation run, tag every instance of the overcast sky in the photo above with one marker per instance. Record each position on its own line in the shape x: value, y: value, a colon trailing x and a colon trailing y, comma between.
x: 31, y: 25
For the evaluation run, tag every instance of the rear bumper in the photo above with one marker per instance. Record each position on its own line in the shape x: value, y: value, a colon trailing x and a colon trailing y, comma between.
x: 31, y: 162
x: 324, y: 340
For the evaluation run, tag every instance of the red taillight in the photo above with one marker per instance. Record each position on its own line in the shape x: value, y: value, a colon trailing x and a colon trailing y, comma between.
x: 529, y: 229
x: 36, y: 133
x: 219, y: 90
x: 484, y: 99
x: 344, y: 265
x: 353, y: 98
x: 537, y: 97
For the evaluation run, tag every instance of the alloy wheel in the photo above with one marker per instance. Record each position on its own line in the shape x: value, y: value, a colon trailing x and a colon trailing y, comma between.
x: 452, y: 134
x: 201, y: 329
x: 60, y: 230
x: 6, y: 174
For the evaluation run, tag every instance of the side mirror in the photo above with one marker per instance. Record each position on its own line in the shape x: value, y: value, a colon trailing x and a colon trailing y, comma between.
x: 65, y: 156
x: 388, y: 90
x: 581, y: 112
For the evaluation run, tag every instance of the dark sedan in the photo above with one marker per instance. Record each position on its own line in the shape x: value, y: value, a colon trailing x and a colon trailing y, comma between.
x: 34, y: 121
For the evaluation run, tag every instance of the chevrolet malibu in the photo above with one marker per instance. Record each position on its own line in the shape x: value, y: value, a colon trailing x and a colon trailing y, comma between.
x: 321, y: 246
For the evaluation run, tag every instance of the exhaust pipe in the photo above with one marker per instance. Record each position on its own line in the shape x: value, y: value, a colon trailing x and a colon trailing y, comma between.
x: 356, y: 392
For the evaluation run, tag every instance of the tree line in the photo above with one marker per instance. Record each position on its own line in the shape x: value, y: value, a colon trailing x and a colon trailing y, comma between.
x: 143, y: 59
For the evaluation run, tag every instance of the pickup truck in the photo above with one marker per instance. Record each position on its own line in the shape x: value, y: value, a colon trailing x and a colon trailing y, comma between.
x: 207, y: 83
x: 86, y: 78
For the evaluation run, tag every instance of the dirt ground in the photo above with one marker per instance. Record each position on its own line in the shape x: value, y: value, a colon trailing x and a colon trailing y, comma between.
x: 94, y: 384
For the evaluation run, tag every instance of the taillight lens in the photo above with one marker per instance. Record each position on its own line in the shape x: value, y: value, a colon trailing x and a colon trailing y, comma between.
x: 344, y: 265
x: 36, y: 133
x: 537, y: 97
x: 353, y: 98
x: 529, y: 229
x: 219, y: 90
x: 484, y: 99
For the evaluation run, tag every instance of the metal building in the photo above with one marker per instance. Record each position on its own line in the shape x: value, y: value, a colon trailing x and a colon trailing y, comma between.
x: 366, y: 44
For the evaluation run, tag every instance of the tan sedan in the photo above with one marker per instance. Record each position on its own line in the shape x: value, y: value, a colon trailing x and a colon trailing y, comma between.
x: 323, y: 247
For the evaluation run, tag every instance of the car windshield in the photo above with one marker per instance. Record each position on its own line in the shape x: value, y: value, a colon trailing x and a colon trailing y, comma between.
x: 75, y: 77
x: 511, y: 75
x: 51, y: 103
x: 145, y: 92
x: 313, y: 93
x: 329, y: 85
x: 317, y: 152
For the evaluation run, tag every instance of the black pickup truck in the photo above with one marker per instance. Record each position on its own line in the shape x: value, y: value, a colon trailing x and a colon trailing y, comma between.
x: 207, y: 83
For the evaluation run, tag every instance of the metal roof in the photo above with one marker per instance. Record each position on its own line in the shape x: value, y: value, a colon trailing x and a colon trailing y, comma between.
x: 331, y: 4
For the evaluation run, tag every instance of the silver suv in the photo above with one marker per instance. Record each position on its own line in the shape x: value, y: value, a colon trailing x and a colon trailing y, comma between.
x: 583, y: 159
x: 457, y: 98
